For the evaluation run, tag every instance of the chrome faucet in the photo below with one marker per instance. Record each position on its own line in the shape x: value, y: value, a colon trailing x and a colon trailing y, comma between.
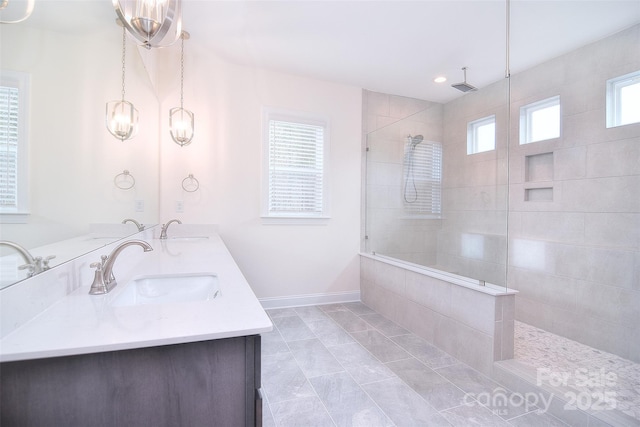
x: 104, y: 281
x: 34, y: 265
x: 163, y: 233
x: 137, y: 224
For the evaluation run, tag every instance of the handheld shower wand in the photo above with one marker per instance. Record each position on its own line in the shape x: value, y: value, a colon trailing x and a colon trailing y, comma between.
x: 414, y: 140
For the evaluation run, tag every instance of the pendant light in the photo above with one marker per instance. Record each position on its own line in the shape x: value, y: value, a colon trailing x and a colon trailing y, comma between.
x: 11, y: 14
x: 181, y: 120
x: 152, y: 23
x: 122, y: 116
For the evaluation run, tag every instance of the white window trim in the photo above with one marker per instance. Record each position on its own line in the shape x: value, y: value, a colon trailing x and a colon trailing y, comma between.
x: 525, y: 118
x: 270, y: 113
x: 22, y: 81
x: 614, y: 109
x: 472, y: 140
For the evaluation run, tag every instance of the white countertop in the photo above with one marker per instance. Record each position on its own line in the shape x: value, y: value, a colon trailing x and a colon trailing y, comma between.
x: 80, y: 323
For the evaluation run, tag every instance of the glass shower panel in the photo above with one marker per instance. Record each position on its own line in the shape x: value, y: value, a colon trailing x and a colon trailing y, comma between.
x: 430, y: 203
x: 404, y: 188
x: 473, y: 240
x: 574, y: 210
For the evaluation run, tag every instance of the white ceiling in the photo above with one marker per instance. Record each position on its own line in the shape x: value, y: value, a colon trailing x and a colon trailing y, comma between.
x: 389, y: 46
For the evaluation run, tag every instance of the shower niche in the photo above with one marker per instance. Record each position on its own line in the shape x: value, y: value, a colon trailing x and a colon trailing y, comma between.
x: 538, y: 177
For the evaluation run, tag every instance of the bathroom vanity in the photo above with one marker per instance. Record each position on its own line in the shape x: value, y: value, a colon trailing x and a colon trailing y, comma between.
x: 176, y: 342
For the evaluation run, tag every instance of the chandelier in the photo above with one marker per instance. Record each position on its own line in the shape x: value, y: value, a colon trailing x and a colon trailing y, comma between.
x: 152, y: 23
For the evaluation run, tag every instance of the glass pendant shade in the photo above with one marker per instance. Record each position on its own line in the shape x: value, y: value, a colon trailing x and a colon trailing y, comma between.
x: 122, y: 116
x: 181, y: 125
x: 153, y: 23
x: 122, y: 119
x: 181, y: 120
x: 13, y: 12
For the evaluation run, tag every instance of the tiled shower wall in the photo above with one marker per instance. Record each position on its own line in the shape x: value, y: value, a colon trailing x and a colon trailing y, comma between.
x: 574, y: 251
x: 573, y: 202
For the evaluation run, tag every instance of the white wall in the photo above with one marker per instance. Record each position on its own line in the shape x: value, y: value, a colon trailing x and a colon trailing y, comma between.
x: 225, y: 156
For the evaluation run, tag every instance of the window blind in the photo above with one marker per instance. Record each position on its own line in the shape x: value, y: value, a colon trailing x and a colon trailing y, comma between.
x: 423, y: 164
x: 9, y: 109
x: 296, y: 169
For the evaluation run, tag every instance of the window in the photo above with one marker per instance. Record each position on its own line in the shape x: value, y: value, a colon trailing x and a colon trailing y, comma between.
x: 296, y: 151
x: 423, y: 179
x: 540, y: 121
x: 623, y: 100
x: 14, y: 95
x: 481, y: 135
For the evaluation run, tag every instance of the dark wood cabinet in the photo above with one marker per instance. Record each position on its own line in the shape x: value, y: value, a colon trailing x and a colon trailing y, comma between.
x: 208, y: 383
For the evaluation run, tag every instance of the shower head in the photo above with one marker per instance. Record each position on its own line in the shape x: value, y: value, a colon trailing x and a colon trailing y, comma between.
x: 415, y: 140
x: 464, y: 86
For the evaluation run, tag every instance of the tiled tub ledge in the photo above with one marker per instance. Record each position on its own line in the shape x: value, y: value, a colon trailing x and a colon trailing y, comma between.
x: 473, y: 323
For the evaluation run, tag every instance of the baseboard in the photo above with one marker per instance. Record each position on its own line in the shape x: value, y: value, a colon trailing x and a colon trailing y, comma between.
x: 311, y: 299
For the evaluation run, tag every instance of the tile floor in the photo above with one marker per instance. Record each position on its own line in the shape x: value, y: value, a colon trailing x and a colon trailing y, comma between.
x: 346, y: 365
x: 581, y: 368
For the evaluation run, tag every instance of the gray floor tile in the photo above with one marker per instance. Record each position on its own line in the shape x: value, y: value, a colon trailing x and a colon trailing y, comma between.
x: 292, y: 328
x: 305, y: 384
x: 347, y: 403
x: 380, y: 346
x: 349, y: 321
x: 301, y: 412
x: 505, y: 403
x: 535, y: 419
x: 358, y: 308
x: 332, y: 307
x: 282, y: 378
x: 473, y: 415
x: 310, y: 313
x: 362, y: 366
x: 403, y: 405
x: 427, y: 353
x: 468, y: 379
x: 273, y: 343
x: 434, y: 388
x: 267, y: 416
x: 329, y: 332
x: 313, y: 358
x: 384, y: 325
x: 280, y: 312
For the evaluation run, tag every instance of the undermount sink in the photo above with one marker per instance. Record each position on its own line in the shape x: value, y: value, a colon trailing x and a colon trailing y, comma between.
x: 168, y: 289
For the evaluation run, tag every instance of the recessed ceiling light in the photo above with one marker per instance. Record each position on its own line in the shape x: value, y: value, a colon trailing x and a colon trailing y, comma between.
x: 440, y: 79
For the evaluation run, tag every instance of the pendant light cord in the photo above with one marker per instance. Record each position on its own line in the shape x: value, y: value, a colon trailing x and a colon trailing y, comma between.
x: 124, y: 50
x: 182, y: 71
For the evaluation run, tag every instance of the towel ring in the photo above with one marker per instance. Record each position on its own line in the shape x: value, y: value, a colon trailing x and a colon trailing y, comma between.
x: 190, y: 184
x: 124, y: 180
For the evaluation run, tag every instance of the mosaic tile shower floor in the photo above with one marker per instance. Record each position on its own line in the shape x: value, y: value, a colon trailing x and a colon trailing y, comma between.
x: 580, y: 367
